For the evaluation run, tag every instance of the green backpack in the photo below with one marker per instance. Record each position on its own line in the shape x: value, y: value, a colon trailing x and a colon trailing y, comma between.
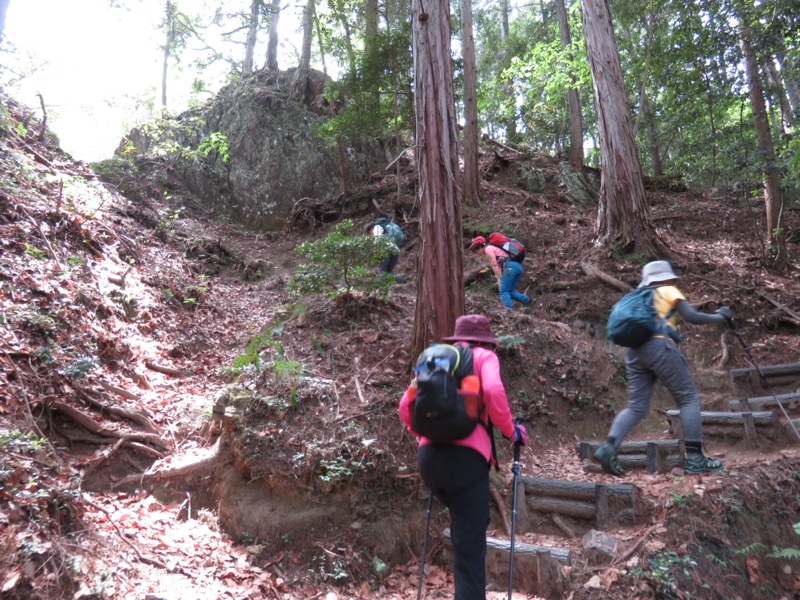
x: 392, y: 231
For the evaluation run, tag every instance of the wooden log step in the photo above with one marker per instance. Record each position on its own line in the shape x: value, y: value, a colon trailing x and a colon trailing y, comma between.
x: 762, y: 402
x: 728, y: 418
x: 642, y: 461
x: 768, y: 371
x: 493, y: 544
x: 576, y: 490
x: 586, y: 449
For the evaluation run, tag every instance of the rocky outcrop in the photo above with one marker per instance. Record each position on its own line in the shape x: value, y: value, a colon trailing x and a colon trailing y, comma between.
x: 268, y: 121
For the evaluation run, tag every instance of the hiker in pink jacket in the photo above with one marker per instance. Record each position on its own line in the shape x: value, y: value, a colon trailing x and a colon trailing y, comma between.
x: 458, y: 472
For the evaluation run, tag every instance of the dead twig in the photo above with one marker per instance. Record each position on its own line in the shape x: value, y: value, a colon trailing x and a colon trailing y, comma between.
x: 723, y: 360
x: 498, y: 500
x: 148, y: 561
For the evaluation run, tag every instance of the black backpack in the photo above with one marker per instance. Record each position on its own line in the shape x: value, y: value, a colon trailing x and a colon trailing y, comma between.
x: 439, y: 413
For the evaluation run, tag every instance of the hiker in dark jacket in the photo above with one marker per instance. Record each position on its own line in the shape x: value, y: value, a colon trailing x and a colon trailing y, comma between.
x: 392, y: 232
x: 458, y: 473
x: 660, y: 359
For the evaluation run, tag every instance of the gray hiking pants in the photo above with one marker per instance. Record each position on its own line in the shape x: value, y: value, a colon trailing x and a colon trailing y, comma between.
x: 660, y: 360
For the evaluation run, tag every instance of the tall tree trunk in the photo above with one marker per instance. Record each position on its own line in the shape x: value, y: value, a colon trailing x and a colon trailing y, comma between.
x: 575, y: 155
x: 252, y: 34
x: 652, y: 135
x: 510, y: 120
x: 790, y: 81
x: 471, y: 178
x: 787, y: 118
x: 370, y: 24
x: 308, y: 34
x: 320, y: 38
x: 344, y: 21
x: 272, y: 41
x: 440, y: 279
x: 623, y: 216
x: 773, y: 197
x: 169, y: 43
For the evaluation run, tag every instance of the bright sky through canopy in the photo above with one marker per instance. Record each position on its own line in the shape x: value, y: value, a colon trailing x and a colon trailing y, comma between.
x: 89, y: 61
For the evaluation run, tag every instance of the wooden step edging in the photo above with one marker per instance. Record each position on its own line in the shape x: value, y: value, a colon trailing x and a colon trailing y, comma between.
x: 578, y: 499
x: 657, y: 456
x: 562, y: 555
x: 741, y: 424
x: 763, y: 402
x: 537, y: 569
x: 774, y: 374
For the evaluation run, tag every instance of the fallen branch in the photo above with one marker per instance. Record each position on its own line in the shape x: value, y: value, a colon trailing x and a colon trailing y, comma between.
x: 593, y: 271
x: 203, y: 464
x: 167, y: 370
x: 723, y: 360
x: 124, y: 393
x: 629, y: 552
x: 795, y: 317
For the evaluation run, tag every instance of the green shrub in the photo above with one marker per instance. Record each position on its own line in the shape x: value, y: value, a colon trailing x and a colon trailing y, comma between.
x: 341, y: 265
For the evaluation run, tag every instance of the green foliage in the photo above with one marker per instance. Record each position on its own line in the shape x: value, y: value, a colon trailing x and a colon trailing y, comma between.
x: 251, y: 355
x: 16, y: 441
x: 215, y: 142
x: 338, y: 469
x: 342, y: 264
x: 790, y: 553
x: 34, y: 252
x: 80, y: 368
x: 667, y: 568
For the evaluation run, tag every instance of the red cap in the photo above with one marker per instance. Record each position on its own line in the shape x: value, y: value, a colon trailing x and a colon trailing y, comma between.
x: 478, y: 242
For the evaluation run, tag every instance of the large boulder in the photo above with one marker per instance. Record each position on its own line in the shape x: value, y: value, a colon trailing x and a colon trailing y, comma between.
x: 268, y: 121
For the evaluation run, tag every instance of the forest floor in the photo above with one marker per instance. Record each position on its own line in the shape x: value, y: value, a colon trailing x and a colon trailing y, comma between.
x: 121, y: 318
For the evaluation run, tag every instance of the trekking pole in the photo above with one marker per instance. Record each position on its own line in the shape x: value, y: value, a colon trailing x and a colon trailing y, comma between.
x: 515, y: 470
x: 761, y: 375
x: 424, y: 547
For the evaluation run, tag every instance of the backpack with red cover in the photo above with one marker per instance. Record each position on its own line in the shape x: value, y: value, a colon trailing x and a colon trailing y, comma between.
x: 514, y: 248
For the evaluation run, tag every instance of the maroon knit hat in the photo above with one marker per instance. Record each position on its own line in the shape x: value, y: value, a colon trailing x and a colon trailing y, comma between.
x: 472, y: 328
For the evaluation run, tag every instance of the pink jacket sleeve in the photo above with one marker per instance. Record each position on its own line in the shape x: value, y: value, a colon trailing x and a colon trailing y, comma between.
x: 495, y: 402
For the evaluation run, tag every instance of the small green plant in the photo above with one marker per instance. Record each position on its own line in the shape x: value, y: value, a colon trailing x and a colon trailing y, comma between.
x: 285, y: 370
x: 215, y: 142
x: 787, y: 552
x: 75, y: 260
x: 34, y: 252
x: 675, y: 498
x: 80, y: 368
x: 342, y: 264
x: 338, y: 469
x: 21, y: 442
x: 749, y: 549
x: 665, y: 567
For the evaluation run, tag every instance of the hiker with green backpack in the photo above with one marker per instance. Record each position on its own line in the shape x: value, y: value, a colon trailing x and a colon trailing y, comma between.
x: 645, y: 321
x: 453, y: 457
x: 392, y: 232
x: 505, y: 257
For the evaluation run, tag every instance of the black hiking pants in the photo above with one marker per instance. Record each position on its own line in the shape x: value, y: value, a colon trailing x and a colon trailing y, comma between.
x: 459, y: 477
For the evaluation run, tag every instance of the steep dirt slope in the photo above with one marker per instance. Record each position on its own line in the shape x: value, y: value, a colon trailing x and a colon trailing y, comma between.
x: 122, y: 321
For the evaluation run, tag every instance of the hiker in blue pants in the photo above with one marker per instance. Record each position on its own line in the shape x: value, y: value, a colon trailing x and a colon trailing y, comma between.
x: 660, y: 359
x: 507, y: 272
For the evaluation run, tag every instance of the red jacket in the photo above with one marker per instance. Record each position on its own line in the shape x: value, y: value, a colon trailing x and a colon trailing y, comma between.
x: 493, y: 400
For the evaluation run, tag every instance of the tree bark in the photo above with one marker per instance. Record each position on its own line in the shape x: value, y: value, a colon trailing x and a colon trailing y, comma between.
x: 773, y: 197
x: 308, y: 34
x: 471, y: 176
x: 575, y: 155
x: 623, y: 216
x: 252, y: 34
x: 440, y: 289
x: 272, y: 42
